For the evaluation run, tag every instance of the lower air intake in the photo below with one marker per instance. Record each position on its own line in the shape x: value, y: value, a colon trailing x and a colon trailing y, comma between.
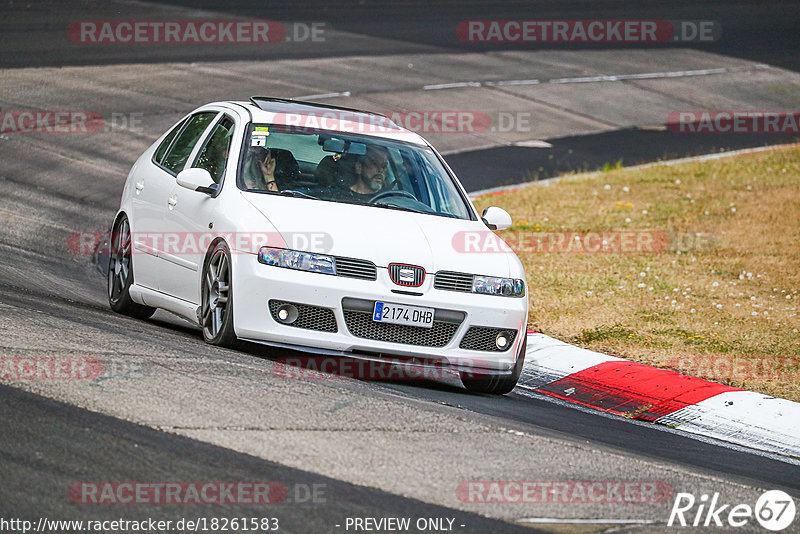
x: 485, y: 339
x: 308, y: 317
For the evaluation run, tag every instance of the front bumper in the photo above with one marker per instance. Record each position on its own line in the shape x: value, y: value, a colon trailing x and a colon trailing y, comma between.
x: 349, y: 301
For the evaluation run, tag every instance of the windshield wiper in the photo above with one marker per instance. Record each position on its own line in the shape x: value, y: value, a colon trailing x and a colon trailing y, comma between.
x: 297, y: 194
x: 394, y: 207
x: 402, y: 208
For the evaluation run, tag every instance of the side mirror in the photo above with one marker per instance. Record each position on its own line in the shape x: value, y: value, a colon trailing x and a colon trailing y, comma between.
x: 197, y: 180
x: 496, y: 218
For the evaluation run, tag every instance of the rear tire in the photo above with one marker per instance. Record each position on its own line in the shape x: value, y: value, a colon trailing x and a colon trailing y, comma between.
x: 216, y: 312
x: 120, y: 273
x: 496, y: 384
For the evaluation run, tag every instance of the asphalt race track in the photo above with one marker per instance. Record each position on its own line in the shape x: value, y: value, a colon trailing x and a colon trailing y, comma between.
x: 169, y: 408
x: 53, y: 451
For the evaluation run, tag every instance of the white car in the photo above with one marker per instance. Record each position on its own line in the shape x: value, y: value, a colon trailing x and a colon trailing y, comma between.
x: 321, y: 229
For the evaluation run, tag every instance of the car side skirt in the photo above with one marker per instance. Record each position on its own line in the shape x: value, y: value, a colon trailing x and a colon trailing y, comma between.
x: 150, y: 297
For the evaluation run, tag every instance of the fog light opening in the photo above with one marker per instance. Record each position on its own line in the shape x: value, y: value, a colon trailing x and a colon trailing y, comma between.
x: 287, y: 314
x: 502, y: 340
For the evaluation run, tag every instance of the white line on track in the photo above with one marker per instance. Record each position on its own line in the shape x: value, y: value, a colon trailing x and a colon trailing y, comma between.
x: 579, y: 79
x: 585, y: 521
x: 600, y: 78
x: 512, y: 82
x: 640, y: 76
x: 450, y: 85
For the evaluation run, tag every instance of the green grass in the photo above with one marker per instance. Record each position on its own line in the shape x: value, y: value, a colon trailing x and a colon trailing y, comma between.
x: 727, y: 287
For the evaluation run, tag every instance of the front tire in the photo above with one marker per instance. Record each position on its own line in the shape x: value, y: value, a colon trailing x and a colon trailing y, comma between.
x: 216, y: 316
x: 120, y: 273
x: 496, y: 384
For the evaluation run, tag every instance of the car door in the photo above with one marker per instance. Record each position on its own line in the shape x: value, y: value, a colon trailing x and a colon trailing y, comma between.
x: 151, y: 188
x: 159, y: 181
x: 191, y: 213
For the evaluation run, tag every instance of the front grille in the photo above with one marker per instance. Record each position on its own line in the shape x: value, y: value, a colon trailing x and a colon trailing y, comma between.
x: 353, y: 268
x: 406, y: 275
x: 483, y: 338
x: 358, y: 318
x: 308, y: 317
x: 453, y: 281
x: 361, y: 324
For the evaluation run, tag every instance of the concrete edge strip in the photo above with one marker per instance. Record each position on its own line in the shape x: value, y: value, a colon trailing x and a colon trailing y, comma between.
x: 637, y: 391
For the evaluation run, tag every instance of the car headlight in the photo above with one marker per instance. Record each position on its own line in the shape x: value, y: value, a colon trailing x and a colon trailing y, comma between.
x: 295, y: 259
x: 491, y: 285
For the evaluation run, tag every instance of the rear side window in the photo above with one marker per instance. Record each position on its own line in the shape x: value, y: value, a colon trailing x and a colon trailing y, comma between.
x: 179, y: 152
x: 214, y: 156
x: 162, y: 148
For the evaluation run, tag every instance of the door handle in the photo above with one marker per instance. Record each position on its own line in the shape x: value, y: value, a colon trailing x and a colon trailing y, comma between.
x: 172, y: 201
x: 139, y: 187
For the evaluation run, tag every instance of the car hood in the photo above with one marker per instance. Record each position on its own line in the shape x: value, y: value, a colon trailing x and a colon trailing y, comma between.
x: 385, y: 236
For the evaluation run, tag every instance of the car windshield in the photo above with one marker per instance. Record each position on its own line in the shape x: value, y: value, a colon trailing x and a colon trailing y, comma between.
x: 348, y: 168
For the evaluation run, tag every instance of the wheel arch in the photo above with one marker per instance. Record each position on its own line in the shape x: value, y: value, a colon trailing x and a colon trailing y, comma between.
x: 117, y: 218
x: 120, y: 214
x: 207, y: 257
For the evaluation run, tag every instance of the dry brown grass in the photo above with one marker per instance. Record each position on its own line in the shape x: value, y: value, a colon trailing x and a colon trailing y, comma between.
x: 722, y: 306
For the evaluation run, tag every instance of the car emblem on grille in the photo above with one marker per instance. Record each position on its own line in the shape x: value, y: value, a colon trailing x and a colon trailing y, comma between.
x: 406, y: 275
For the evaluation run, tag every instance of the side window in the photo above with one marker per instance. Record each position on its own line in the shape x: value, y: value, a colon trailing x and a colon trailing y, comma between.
x: 214, y: 156
x: 162, y: 148
x: 184, y: 143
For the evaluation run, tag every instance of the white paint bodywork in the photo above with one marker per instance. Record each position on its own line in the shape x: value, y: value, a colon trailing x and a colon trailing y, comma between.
x: 170, y: 279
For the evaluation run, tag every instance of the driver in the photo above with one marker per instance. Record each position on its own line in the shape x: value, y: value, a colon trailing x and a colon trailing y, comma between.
x: 370, y: 172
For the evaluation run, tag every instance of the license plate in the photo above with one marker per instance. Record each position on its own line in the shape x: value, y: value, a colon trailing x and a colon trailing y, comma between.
x: 386, y: 312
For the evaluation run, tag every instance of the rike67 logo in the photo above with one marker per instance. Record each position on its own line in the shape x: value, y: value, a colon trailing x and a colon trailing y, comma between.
x: 774, y: 510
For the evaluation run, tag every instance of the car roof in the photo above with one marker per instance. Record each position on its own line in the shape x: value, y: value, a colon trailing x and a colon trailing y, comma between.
x: 315, y: 115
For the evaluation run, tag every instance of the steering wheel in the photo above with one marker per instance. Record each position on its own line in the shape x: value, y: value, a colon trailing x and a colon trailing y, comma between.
x: 392, y: 192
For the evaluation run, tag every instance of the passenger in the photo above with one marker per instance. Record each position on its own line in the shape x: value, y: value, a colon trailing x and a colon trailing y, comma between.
x: 259, y: 173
